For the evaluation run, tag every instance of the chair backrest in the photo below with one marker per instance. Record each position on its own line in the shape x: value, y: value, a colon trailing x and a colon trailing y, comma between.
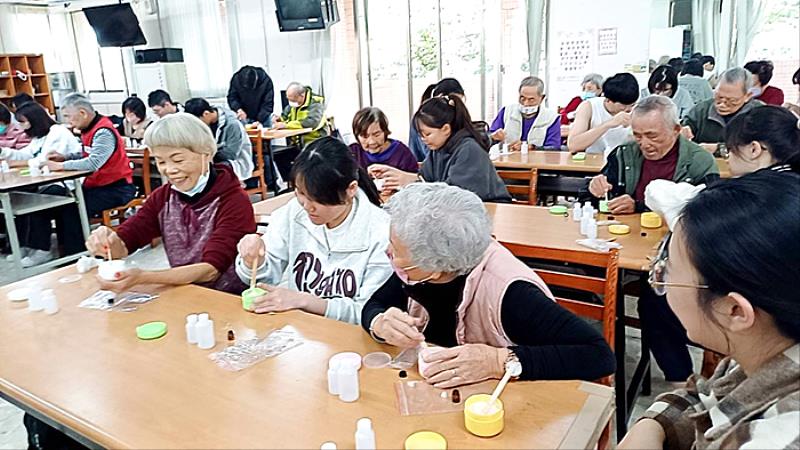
x: 526, y: 190
x: 605, y: 286
x: 143, y: 163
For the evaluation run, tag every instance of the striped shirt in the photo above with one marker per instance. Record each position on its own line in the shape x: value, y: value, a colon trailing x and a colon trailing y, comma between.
x: 104, y: 143
x: 732, y: 410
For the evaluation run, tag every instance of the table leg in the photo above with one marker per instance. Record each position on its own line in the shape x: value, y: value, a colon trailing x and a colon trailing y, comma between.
x: 274, y: 178
x: 11, y: 229
x: 619, y: 351
x: 82, y: 209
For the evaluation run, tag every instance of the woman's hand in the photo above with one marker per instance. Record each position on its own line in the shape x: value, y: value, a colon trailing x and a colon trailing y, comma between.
x: 393, y: 179
x: 104, y: 238
x: 125, y: 280
x: 465, y: 364
x: 55, y: 156
x: 252, y: 248
x: 278, y: 299
x: 397, y: 328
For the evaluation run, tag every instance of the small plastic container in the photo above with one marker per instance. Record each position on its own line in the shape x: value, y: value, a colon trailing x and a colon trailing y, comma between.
x: 619, y: 229
x: 376, y: 360
x: 476, y: 419
x: 580, y: 156
x: 523, y: 148
x: 422, y: 365
x: 108, y: 270
x: 650, y: 220
x: 603, y: 206
x: 558, y: 210
x: 249, y: 296
x: 191, y: 328
x: 577, y: 212
x: 35, y: 299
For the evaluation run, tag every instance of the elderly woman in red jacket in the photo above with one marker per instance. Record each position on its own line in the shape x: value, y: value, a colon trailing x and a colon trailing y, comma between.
x: 200, y: 214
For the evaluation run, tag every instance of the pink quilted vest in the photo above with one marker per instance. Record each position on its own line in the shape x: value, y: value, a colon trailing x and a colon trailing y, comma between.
x: 479, y: 320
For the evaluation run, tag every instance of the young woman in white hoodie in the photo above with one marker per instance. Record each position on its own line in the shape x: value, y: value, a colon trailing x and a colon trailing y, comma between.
x: 329, y: 243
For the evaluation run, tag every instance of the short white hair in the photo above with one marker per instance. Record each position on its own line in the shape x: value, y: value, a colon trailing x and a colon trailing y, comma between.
x: 181, y: 130
x: 295, y: 88
x: 445, y: 228
x: 595, y: 78
x: 737, y: 75
x: 78, y: 101
x: 662, y: 104
x: 534, y: 82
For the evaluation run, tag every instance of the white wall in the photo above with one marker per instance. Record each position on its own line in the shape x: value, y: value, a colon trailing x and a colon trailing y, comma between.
x: 631, y: 18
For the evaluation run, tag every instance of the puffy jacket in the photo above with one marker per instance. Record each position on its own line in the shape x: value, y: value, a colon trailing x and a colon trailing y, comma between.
x: 256, y: 101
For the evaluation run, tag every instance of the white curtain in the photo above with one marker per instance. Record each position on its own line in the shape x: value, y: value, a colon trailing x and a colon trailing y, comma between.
x: 199, y: 28
x: 725, y: 29
x: 535, y: 22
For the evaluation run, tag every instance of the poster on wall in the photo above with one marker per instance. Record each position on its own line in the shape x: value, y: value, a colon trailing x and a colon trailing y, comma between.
x: 575, y: 55
x: 607, y: 41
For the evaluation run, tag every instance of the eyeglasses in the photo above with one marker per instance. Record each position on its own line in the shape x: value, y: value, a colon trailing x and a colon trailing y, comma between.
x: 658, y: 271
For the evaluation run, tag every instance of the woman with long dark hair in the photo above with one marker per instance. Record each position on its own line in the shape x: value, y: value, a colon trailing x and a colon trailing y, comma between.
x: 458, y: 153
x: 331, y: 239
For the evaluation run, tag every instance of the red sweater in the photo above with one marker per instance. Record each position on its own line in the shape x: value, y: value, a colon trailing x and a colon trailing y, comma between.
x: 571, y: 106
x: 772, y: 96
x: 233, y: 220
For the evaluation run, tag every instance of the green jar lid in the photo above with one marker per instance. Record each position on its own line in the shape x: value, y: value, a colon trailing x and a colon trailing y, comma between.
x: 151, y: 330
x: 581, y: 156
x: 558, y: 210
x: 249, y: 295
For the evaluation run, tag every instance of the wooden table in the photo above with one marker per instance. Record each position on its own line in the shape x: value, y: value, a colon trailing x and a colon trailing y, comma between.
x: 271, y: 133
x: 86, y: 372
x: 16, y: 203
x: 533, y: 225
x: 551, y: 161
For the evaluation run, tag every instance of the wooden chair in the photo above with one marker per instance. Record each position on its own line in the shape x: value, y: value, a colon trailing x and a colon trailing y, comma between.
x: 606, y: 286
x: 258, y: 156
x: 117, y: 214
x: 527, y: 190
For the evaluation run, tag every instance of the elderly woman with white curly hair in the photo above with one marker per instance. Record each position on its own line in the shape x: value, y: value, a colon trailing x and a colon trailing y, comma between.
x: 456, y: 287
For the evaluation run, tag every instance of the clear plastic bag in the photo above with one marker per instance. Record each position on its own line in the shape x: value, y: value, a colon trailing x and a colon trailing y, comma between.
x: 405, y: 359
x: 418, y: 397
x: 109, y: 301
x: 252, y: 351
x: 600, y: 245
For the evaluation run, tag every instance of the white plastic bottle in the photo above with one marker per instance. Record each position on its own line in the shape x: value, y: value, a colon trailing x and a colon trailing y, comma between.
x: 585, y: 218
x: 328, y: 446
x: 49, y: 301
x: 591, y: 229
x: 365, y: 436
x: 523, y: 148
x: 191, y: 328
x: 205, y: 332
x: 577, y: 212
x: 348, y: 383
x: 35, y: 299
x: 333, y: 377
x: 587, y: 210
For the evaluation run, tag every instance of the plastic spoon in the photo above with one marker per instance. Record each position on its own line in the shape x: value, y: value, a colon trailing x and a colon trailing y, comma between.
x: 500, y: 386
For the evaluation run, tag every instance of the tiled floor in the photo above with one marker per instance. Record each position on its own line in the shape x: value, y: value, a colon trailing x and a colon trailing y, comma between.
x: 13, y: 436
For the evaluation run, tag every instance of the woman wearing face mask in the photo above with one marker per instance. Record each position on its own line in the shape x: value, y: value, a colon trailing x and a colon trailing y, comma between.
x: 664, y: 81
x: 330, y: 241
x: 528, y: 121
x: 11, y: 135
x: 730, y: 274
x: 371, y: 127
x: 457, y: 156
x: 591, y: 87
x: 456, y: 287
x: 762, y: 75
x: 136, y: 120
x: 200, y: 214
x: 45, y: 136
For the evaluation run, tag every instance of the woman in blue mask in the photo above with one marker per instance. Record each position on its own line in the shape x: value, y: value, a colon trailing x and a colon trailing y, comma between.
x: 200, y: 214
x: 591, y: 87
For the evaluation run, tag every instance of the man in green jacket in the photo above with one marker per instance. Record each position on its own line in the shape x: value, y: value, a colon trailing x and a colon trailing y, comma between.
x: 305, y: 110
x: 658, y: 152
x: 705, y: 123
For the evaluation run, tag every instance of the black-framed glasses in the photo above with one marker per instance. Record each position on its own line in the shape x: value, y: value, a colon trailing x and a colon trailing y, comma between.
x: 658, y: 271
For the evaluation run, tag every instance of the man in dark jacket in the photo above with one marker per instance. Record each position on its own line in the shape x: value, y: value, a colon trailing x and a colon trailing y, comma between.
x: 658, y: 152
x: 251, y: 95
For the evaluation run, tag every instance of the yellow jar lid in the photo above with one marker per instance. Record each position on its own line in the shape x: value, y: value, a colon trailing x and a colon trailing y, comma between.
x: 426, y: 440
x: 650, y: 220
x: 619, y: 229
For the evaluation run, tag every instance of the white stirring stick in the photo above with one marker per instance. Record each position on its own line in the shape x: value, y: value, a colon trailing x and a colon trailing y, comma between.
x: 500, y: 386
x: 108, y: 247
